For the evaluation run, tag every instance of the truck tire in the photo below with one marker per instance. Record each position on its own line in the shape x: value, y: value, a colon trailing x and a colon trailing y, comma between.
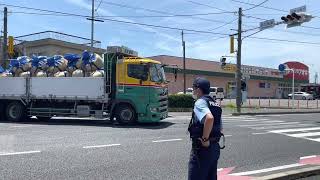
x: 125, y: 114
x: 16, y: 112
x: 2, y: 111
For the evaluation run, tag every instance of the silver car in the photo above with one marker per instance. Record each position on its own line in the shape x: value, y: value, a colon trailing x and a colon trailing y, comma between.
x: 301, y: 95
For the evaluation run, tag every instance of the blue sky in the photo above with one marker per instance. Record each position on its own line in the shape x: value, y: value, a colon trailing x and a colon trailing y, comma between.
x: 150, y: 41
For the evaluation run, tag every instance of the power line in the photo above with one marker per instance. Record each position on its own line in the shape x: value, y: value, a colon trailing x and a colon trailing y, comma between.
x: 223, y: 25
x: 285, y: 40
x: 98, y: 5
x: 157, y: 11
x: 119, y: 21
x: 266, y: 7
x: 310, y: 27
x: 255, y: 6
x: 206, y: 5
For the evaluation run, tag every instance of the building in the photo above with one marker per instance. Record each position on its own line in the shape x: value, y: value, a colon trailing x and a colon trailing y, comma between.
x: 261, y: 82
x: 49, y: 43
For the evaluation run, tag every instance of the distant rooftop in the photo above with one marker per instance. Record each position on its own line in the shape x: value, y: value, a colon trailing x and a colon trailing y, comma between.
x: 58, y: 36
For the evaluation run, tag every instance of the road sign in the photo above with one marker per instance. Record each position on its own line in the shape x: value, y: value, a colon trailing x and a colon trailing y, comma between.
x: 282, y: 67
x: 298, y: 9
x: 230, y: 68
x: 267, y: 24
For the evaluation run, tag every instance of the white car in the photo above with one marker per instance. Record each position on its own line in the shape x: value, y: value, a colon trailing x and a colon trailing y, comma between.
x: 188, y: 91
x: 301, y: 95
x: 216, y: 93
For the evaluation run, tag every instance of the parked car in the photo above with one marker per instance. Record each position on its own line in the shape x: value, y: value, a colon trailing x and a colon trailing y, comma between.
x: 301, y: 95
x: 188, y: 91
x: 217, y: 93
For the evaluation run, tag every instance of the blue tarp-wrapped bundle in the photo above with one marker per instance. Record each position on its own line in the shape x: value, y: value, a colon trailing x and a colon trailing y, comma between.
x: 91, y: 61
x: 56, y: 63
x: 73, y: 59
x: 24, y: 63
x: 39, y: 65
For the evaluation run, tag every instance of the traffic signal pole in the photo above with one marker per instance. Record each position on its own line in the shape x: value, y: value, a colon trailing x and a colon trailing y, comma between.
x: 238, y: 73
x: 184, y: 63
x: 5, y: 35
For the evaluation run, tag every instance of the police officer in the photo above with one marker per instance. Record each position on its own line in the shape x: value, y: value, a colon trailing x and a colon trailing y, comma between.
x: 205, y: 132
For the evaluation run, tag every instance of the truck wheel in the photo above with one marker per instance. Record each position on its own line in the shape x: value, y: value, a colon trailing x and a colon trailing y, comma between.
x: 15, y: 111
x: 304, y: 98
x: 2, y: 111
x: 125, y: 114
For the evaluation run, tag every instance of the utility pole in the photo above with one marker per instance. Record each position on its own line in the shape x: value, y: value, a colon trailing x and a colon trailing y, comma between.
x: 239, y: 74
x: 5, y: 35
x: 184, y: 63
x: 92, y: 23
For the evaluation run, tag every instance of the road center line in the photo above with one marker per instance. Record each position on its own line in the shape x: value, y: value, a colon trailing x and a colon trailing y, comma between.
x: 266, y: 170
x: 101, y: 146
x: 166, y: 140
x: 18, y: 153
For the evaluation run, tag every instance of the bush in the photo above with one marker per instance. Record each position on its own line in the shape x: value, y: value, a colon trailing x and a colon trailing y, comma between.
x: 181, y: 101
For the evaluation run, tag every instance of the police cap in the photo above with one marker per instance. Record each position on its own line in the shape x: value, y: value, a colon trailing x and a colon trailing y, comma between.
x: 203, y: 84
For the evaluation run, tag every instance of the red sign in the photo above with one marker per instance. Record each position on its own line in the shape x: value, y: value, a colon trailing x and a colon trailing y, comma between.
x: 301, y: 71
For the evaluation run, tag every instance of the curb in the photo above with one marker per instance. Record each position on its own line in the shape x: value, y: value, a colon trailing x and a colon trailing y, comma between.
x: 292, y: 175
x: 284, y: 112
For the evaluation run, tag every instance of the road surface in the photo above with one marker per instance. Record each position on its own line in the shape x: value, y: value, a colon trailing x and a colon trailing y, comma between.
x: 86, y: 149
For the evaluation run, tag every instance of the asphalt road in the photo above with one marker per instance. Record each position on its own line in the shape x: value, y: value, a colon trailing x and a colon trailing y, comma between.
x: 86, y: 149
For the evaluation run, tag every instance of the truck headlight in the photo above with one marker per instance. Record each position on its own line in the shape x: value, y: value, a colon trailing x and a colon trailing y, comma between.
x: 154, y: 109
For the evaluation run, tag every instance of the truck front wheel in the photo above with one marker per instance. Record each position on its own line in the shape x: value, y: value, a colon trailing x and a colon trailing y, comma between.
x: 15, y: 111
x: 125, y: 114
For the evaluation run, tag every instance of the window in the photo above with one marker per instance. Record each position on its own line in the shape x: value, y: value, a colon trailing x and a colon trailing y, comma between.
x: 262, y: 85
x: 136, y: 71
x: 220, y: 90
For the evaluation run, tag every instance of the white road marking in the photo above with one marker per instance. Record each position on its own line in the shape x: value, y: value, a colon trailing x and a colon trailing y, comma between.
x: 266, y: 170
x: 276, y: 115
x: 276, y: 124
x: 166, y: 140
x: 317, y: 140
x: 283, y: 126
x: 22, y: 126
x: 295, y: 130
x: 18, y: 153
x: 227, y: 135
x: 261, y: 133
x: 101, y: 146
x: 305, y: 134
x: 307, y: 157
x: 220, y: 169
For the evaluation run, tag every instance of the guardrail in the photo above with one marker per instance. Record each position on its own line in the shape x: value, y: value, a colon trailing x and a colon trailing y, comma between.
x: 275, y: 103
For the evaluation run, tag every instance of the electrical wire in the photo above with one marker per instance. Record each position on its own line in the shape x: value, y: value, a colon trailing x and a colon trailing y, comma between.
x: 257, y: 5
x: 206, y: 5
x: 157, y: 11
x: 285, y: 40
x: 266, y: 7
x: 98, y: 5
x: 119, y: 21
x: 218, y: 27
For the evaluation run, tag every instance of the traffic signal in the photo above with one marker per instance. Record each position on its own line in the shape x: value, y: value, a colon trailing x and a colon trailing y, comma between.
x: 243, y: 85
x: 296, y: 19
x: 223, y: 61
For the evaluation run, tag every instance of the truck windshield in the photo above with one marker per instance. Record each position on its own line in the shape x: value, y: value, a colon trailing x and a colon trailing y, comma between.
x: 157, y: 73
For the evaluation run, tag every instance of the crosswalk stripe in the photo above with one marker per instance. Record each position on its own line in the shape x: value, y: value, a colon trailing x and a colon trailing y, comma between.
x: 306, y: 134
x: 283, y: 126
x: 295, y: 130
x: 266, y: 170
x: 252, y: 125
x: 317, y: 140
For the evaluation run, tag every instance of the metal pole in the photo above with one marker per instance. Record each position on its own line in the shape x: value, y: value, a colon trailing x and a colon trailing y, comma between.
x: 292, y: 88
x: 238, y: 77
x: 92, y: 23
x: 184, y: 63
x: 5, y: 36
